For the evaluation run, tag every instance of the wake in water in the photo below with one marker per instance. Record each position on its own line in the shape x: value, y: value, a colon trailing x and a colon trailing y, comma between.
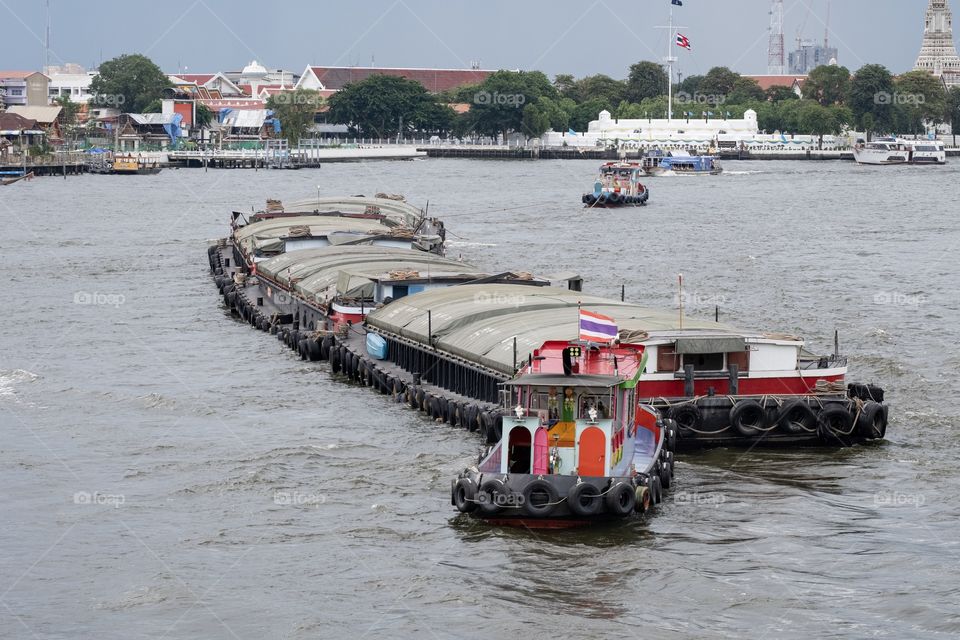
x: 10, y: 378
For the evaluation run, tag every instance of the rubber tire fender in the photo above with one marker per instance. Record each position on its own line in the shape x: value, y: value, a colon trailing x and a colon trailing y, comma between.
x: 749, y: 418
x: 797, y: 417
x: 621, y: 499
x: 576, y: 496
x: 833, y: 423
x: 540, y: 510
x: 487, y: 496
x: 872, y: 423
x: 465, y: 495
x: 643, y: 501
x: 688, y: 417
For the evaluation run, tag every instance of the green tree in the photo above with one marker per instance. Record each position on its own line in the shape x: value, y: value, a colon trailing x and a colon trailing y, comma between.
x: 817, y: 120
x: 921, y: 100
x: 204, y: 116
x: 535, y: 121
x: 690, y: 85
x: 827, y: 84
x: 296, y: 111
x: 953, y: 111
x: 719, y: 81
x: 599, y: 87
x: 780, y: 93
x: 745, y: 90
x: 585, y: 112
x: 646, y: 80
x: 69, y: 110
x: 499, y: 102
x: 564, y: 83
x: 872, y: 94
x: 128, y: 82
x: 381, y: 106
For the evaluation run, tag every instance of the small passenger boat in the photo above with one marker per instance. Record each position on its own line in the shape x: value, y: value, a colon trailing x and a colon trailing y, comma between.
x: 656, y: 163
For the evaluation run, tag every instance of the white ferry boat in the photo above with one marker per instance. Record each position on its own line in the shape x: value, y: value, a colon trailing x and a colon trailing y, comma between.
x: 894, y: 151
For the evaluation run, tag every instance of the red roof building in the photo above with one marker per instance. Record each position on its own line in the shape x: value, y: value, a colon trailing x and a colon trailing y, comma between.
x: 768, y: 82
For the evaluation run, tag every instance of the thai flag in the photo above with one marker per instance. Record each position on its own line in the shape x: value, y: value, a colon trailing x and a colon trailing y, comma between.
x: 683, y: 41
x: 679, y: 3
x: 597, y: 328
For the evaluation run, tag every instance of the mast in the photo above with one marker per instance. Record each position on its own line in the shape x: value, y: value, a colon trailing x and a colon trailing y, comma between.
x: 671, y: 42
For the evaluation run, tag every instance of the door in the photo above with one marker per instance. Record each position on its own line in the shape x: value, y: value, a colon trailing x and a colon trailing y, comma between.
x: 593, y: 452
x: 540, y: 452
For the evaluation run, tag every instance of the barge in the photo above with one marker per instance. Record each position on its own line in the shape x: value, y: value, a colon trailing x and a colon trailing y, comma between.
x: 448, y: 338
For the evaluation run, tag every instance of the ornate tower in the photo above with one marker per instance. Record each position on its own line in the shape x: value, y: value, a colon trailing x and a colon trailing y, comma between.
x: 938, y: 55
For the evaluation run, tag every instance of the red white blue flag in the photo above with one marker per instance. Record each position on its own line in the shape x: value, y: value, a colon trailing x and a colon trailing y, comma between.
x: 597, y: 328
x: 683, y: 41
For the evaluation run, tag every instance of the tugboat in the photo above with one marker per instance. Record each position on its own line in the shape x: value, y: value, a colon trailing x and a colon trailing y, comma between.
x: 656, y: 163
x: 134, y: 165
x: 618, y: 185
x: 576, y: 446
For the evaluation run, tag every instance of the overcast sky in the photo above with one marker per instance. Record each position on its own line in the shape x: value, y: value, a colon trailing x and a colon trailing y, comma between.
x: 555, y: 36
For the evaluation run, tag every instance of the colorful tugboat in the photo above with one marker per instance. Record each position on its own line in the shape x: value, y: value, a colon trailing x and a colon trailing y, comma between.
x: 134, y: 165
x: 656, y: 163
x: 576, y: 446
x: 618, y: 185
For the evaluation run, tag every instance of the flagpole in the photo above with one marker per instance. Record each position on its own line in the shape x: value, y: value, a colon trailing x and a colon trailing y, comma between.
x: 670, y: 46
x: 680, y: 285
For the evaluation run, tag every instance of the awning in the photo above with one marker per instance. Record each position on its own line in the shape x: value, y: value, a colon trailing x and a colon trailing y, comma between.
x: 714, y: 344
x: 556, y: 380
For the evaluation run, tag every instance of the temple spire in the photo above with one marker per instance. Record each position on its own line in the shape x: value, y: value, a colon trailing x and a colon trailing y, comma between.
x: 938, y: 55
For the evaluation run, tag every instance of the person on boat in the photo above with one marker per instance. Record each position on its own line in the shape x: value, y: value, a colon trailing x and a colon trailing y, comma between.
x: 569, y: 405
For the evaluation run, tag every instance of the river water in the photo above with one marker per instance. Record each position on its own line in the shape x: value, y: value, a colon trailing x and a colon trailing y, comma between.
x: 169, y: 472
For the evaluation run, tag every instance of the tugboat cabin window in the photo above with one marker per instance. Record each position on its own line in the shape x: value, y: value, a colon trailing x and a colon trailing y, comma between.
x: 705, y: 361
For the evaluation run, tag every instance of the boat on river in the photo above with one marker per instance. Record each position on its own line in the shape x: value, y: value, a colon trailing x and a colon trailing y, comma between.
x: 129, y: 164
x: 671, y: 163
x: 576, y: 446
x: 618, y: 185
x: 890, y: 150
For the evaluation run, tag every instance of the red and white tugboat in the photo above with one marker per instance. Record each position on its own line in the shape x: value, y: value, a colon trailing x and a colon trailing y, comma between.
x: 576, y: 445
x: 618, y: 185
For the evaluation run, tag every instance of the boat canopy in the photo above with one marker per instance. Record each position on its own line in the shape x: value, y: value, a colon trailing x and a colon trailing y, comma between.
x: 399, y: 211
x: 480, y: 322
x: 265, y: 233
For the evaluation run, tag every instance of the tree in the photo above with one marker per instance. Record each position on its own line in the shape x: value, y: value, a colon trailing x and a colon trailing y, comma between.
x: 646, y: 80
x: 564, y: 83
x: 203, y: 116
x: 953, y: 111
x: 827, y: 84
x: 128, y: 82
x: 921, y: 100
x: 585, y: 112
x: 535, y: 121
x: 780, y: 93
x: 872, y: 94
x: 818, y: 120
x: 719, y: 81
x: 690, y: 85
x: 381, y: 106
x: 69, y: 110
x: 296, y: 111
x: 599, y: 87
x: 744, y: 90
x: 499, y: 102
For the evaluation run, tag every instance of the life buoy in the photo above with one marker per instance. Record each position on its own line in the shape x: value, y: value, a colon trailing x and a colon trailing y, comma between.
x: 872, y: 423
x: 687, y: 417
x: 835, y: 426
x: 465, y: 495
x: 749, y: 418
x: 796, y: 417
x: 621, y: 499
x: 540, y: 498
x: 584, y: 500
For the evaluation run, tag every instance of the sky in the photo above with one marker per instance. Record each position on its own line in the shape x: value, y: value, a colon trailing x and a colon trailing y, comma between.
x: 581, y: 37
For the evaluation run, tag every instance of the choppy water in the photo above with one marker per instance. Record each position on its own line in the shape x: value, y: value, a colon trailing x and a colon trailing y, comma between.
x: 168, y: 472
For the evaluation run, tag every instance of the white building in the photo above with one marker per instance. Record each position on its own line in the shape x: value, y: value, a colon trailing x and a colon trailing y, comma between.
x: 938, y: 54
x: 75, y: 85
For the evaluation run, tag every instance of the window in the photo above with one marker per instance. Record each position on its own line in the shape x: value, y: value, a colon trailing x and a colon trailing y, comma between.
x: 704, y: 361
